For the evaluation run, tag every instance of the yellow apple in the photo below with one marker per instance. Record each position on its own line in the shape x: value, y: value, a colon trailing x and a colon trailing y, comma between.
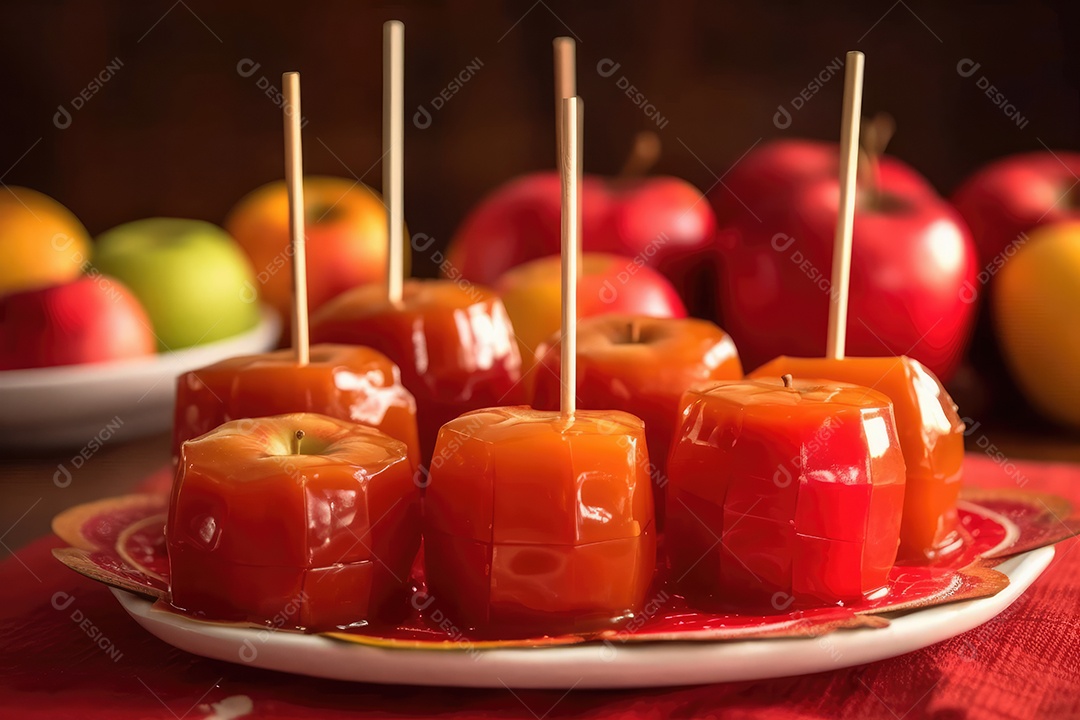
x: 1036, y: 307
x: 532, y: 294
x: 41, y: 242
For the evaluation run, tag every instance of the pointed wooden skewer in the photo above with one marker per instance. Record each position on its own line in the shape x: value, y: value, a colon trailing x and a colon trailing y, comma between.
x: 845, y: 221
x: 393, y: 152
x: 294, y: 182
x: 565, y: 50
x: 571, y: 121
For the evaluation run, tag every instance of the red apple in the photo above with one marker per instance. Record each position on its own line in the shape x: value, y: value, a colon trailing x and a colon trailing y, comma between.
x: 1012, y: 196
x: 913, y: 260
x: 1003, y: 202
x: 763, y: 179
x: 89, y: 320
x: 661, y: 220
x: 532, y: 294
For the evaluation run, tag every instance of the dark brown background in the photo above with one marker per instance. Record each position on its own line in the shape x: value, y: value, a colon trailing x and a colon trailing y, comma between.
x: 177, y: 131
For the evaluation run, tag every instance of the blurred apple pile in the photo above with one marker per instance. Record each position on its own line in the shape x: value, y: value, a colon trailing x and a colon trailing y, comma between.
x: 1003, y: 255
x: 154, y: 285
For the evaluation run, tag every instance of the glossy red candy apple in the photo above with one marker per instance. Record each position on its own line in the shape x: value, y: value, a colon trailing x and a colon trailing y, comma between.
x: 532, y: 294
x: 662, y: 221
x: 535, y: 525
x: 642, y: 366
x: 294, y: 520
x: 89, y: 320
x: 453, y: 343
x: 783, y: 494
x: 931, y: 436
x: 1010, y: 197
x: 913, y: 261
x: 343, y: 381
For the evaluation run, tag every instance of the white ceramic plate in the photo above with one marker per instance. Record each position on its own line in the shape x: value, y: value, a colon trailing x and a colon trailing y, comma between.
x: 595, y: 665
x: 86, y: 405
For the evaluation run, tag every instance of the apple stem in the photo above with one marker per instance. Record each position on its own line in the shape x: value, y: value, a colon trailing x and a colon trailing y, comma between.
x: 296, y: 445
x: 644, y: 154
x: 787, y: 380
x: 635, y: 331
x: 874, y: 138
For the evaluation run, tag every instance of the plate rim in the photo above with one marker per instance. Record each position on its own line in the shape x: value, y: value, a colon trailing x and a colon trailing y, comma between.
x: 588, y: 665
x: 59, y: 376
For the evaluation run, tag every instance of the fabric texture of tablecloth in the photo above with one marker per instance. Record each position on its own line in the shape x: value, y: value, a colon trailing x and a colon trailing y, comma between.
x: 90, y: 660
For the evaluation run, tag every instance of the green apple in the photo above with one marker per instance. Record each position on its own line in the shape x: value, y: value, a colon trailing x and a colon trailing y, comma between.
x: 192, y: 278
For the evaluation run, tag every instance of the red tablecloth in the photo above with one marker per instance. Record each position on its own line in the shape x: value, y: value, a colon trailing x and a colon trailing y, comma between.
x: 90, y: 660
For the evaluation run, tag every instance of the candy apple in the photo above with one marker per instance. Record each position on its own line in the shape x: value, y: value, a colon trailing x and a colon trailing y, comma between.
x: 41, y: 242
x: 783, y: 493
x: 662, y: 221
x: 534, y: 525
x: 532, y: 294
x: 294, y: 520
x: 912, y: 264
x: 345, y: 227
x: 1036, y: 311
x: 343, y: 381
x: 88, y: 320
x: 452, y: 341
x: 642, y: 366
x: 931, y: 436
x: 191, y: 277
x: 1010, y: 197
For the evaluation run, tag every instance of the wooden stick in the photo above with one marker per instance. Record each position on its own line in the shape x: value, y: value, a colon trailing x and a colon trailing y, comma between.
x: 393, y: 152
x: 565, y: 50
x: 571, y: 119
x: 845, y: 221
x: 294, y: 181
